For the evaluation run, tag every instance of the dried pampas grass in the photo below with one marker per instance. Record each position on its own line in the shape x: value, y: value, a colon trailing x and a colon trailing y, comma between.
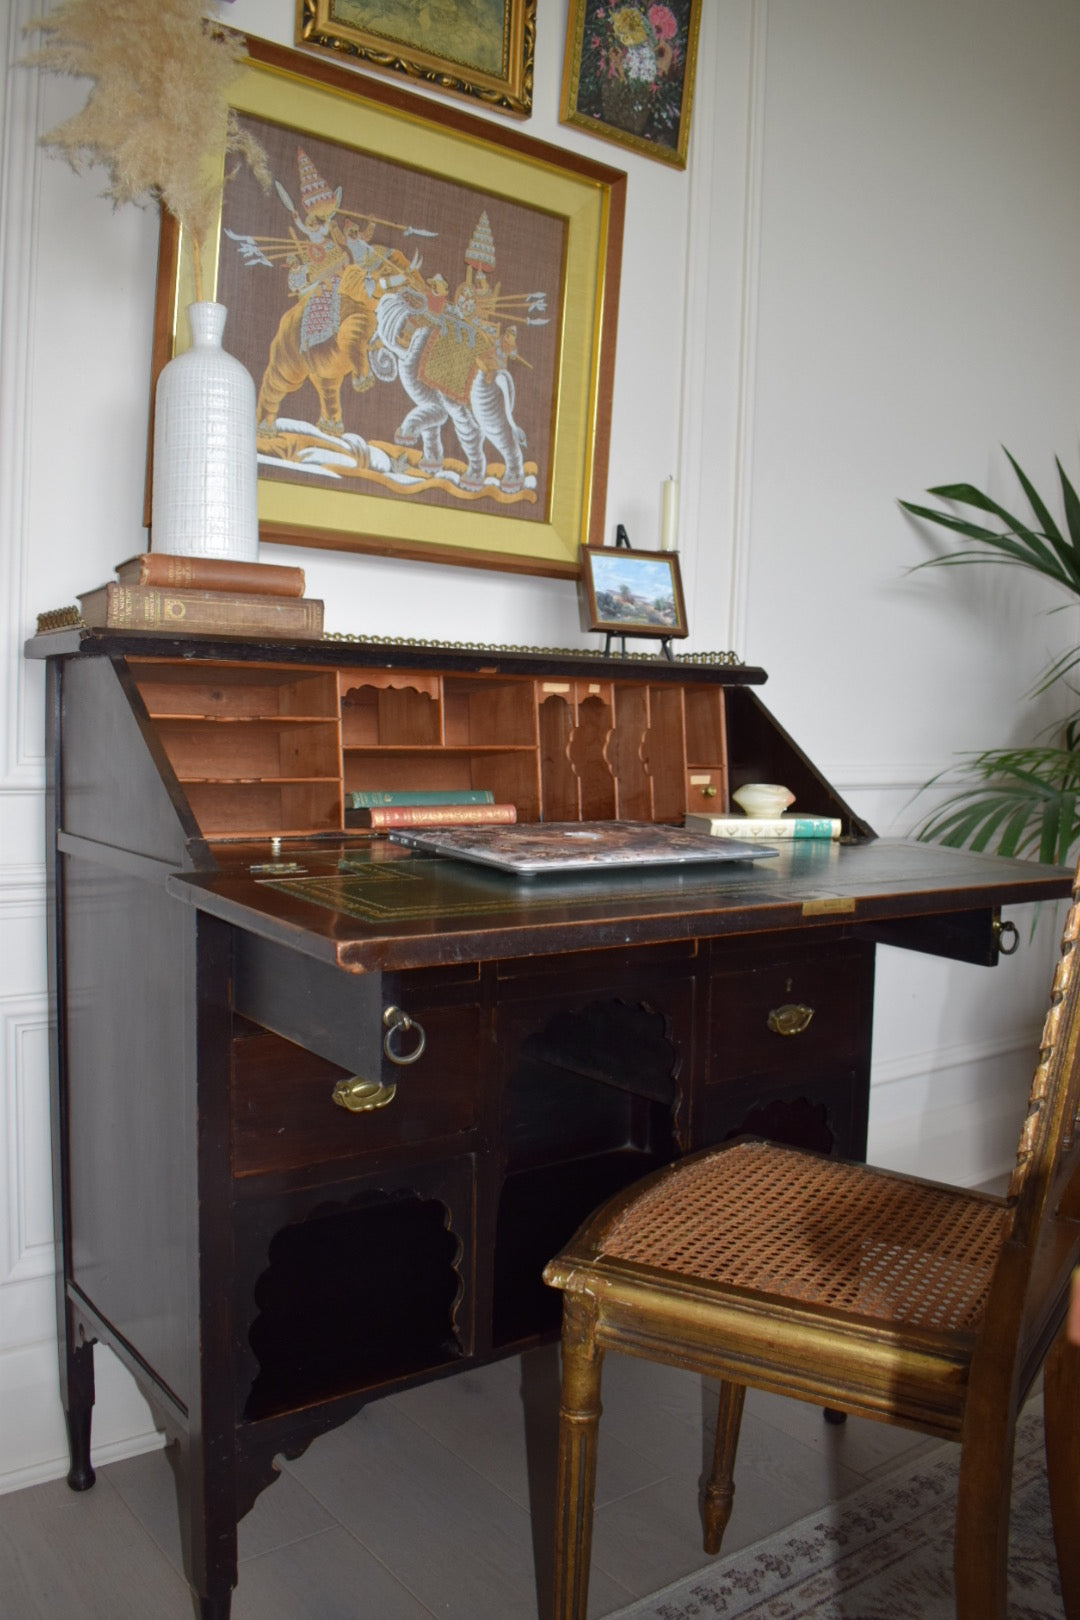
x: 157, y: 116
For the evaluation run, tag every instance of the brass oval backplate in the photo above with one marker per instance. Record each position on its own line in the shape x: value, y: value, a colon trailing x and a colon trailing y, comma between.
x: 362, y: 1096
x: 790, y: 1019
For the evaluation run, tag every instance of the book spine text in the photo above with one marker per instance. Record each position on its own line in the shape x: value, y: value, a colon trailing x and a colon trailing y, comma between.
x: 765, y: 827
x: 162, y: 568
x: 369, y: 798
x: 150, y: 607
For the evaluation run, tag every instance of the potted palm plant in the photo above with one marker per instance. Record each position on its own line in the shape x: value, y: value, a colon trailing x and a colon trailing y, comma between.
x: 1021, y: 800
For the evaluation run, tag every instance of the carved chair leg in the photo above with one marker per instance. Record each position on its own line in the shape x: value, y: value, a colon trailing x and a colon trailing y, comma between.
x: 720, y: 1490
x: 1061, y: 1406
x: 981, y: 1555
x: 579, y: 1422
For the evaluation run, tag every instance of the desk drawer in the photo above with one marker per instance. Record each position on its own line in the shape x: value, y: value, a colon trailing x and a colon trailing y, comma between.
x: 800, y: 1013
x: 284, y: 1116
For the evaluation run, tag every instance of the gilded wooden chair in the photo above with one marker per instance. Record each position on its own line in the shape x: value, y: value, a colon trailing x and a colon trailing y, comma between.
x: 855, y: 1288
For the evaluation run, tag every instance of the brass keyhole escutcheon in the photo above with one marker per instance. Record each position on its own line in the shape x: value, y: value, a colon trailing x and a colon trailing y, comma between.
x: 362, y: 1096
x: 790, y: 1019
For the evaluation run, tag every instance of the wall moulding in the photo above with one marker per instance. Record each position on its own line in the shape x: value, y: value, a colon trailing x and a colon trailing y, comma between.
x: 26, y: 1238
x: 20, y: 160
x: 22, y: 892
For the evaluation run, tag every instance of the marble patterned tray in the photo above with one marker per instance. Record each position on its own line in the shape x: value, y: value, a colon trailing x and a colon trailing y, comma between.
x: 530, y: 850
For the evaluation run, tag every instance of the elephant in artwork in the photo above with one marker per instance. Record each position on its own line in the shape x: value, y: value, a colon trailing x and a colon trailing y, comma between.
x: 454, y: 370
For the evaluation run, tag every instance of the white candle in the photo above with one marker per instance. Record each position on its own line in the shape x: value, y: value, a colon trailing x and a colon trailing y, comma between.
x: 669, y: 514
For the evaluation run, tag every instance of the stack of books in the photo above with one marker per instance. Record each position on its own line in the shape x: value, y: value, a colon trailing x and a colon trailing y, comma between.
x: 381, y: 809
x: 159, y: 591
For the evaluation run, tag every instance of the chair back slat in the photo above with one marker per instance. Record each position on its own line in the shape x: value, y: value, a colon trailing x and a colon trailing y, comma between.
x: 1047, y: 1152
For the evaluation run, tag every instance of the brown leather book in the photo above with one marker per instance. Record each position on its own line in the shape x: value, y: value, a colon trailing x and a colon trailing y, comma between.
x: 432, y: 815
x: 152, y: 607
x: 211, y: 574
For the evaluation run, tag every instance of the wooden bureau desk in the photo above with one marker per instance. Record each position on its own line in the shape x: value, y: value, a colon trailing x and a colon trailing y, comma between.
x: 229, y: 963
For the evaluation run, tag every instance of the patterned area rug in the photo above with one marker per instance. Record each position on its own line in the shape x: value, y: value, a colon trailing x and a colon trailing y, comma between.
x: 882, y: 1553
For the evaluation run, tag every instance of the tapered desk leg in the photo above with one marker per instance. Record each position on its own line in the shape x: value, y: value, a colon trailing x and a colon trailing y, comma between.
x: 215, y: 1608
x: 78, y: 1396
x: 206, y: 1496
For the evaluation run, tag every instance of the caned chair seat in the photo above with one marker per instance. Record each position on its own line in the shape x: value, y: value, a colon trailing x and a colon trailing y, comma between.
x: 781, y: 1222
x: 856, y: 1288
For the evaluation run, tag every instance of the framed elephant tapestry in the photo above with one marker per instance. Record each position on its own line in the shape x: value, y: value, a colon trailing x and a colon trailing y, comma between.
x: 426, y: 303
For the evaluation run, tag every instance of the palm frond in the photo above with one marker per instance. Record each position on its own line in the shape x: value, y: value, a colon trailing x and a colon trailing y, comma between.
x: 1021, y: 801
x: 1045, y: 547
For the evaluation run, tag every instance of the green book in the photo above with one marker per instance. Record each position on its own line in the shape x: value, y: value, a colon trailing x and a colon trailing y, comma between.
x: 372, y: 798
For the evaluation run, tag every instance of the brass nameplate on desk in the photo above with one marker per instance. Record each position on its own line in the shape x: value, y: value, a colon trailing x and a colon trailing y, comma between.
x: 829, y: 905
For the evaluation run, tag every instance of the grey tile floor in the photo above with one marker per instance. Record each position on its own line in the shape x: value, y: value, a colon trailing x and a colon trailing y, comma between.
x: 438, y: 1502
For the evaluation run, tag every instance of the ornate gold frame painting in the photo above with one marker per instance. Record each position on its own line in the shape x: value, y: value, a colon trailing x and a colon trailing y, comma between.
x: 628, y: 74
x: 427, y: 307
x: 482, y: 48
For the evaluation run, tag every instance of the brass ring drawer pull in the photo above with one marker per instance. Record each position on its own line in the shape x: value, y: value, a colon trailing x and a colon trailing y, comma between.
x: 394, y: 1020
x: 790, y: 1019
x: 362, y: 1096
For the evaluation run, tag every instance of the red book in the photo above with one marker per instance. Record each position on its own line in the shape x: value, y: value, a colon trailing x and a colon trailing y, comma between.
x: 211, y: 574
x: 381, y: 816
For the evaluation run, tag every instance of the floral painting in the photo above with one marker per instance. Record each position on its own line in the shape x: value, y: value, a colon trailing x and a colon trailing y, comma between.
x: 629, y: 73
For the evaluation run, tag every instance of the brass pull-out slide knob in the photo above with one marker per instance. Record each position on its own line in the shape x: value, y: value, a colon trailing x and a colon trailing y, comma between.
x: 790, y: 1019
x: 361, y: 1096
x: 395, y: 1021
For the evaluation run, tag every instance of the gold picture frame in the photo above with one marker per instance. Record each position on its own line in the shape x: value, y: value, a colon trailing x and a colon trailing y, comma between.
x: 628, y: 73
x: 531, y: 286
x: 480, y: 48
x: 632, y: 593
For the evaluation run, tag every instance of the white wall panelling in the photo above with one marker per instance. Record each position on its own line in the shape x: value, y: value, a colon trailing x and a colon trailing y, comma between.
x: 26, y: 1232
x: 862, y: 285
x: 21, y: 741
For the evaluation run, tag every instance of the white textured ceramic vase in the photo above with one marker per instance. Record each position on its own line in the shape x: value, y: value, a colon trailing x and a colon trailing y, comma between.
x: 205, y: 468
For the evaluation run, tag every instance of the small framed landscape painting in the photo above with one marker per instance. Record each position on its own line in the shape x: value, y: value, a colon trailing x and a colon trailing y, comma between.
x: 632, y: 593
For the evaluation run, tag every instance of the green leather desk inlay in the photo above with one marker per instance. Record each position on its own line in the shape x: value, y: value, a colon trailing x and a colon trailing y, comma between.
x: 426, y: 887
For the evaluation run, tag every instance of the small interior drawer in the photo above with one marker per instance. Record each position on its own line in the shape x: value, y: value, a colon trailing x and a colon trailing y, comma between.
x: 705, y: 790
x: 284, y: 1116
